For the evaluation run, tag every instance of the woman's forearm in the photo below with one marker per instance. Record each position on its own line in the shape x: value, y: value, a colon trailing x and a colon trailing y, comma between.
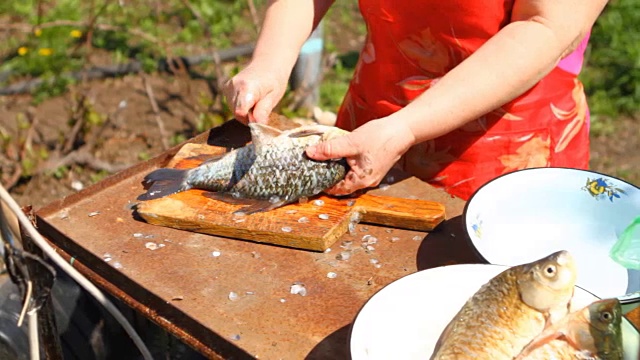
x: 506, y: 66
x: 287, y: 25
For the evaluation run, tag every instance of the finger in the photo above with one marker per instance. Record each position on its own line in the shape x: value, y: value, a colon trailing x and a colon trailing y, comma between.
x: 229, y: 92
x: 338, y: 190
x: 261, y: 111
x: 333, y: 149
x: 350, y: 184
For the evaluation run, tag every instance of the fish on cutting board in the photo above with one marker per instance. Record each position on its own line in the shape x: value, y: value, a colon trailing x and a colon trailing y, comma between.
x: 272, y: 171
x: 510, y: 310
x: 594, y: 332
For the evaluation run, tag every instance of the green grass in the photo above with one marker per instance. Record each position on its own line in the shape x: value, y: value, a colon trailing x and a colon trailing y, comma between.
x: 54, y: 37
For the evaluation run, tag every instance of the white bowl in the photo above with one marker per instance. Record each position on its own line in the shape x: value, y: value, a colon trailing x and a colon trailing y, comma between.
x: 405, y: 318
x: 526, y: 215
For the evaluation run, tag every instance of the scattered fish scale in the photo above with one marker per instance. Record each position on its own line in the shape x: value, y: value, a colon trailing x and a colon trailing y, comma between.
x: 298, y: 289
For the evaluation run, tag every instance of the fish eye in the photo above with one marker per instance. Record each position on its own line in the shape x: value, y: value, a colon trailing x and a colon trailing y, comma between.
x: 606, y: 316
x: 550, y: 270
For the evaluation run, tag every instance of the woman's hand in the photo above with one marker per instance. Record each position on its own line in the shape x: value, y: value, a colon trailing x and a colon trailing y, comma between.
x: 371, y: 150
x: 254, y: 92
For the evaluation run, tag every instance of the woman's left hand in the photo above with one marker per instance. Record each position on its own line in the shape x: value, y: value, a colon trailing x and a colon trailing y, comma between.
x: 371, y: 150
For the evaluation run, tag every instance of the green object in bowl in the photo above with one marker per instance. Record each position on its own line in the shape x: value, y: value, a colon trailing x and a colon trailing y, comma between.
x: 626, y: 251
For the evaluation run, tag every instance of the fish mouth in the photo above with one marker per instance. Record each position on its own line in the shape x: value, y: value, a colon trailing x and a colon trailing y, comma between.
x: 344, y: 163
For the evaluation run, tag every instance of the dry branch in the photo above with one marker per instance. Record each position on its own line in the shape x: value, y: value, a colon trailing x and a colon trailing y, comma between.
x: 28, y: 138
x: 13, y: 180
x: 82, y: 157
x: 254, y: 15
x: 199, y: 18
x: 79, y: 118
x: 156, y: 111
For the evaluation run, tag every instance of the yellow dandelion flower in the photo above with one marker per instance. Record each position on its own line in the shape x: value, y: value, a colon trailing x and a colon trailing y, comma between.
x: 76, y: 34
x: 37, y: 32
x: 22, y: 51
x: 45, y: 51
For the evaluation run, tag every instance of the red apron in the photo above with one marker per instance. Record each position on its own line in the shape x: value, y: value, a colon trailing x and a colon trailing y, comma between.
x: 411, y: 44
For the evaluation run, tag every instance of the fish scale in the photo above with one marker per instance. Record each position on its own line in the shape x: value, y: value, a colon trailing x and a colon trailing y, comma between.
x: 528, y: 322
x: 271, y: 171
x: 270, y: 175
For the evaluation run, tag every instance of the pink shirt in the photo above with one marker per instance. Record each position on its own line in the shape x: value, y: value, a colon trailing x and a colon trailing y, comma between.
x: 573, y: 62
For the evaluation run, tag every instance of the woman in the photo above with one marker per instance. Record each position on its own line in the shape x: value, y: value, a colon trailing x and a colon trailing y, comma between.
x: 455, y: 92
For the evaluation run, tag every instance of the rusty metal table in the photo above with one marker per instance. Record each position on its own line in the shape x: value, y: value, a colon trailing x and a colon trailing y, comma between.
x: 185, y: 289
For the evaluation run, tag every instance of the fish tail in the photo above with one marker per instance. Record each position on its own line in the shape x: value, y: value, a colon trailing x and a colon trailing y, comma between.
x: 165, y: 182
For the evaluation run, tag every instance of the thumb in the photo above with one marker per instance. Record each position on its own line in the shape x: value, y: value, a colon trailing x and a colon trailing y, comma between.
x: 244, y: 102
x: 333, y: 149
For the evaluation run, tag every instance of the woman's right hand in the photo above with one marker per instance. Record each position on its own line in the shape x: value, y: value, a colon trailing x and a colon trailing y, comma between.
x: 254, y: 92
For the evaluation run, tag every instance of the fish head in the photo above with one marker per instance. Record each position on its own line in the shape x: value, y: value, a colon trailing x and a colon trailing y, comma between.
x: 547, y: 284
x: 594, y: 332
x: 604, y: 315
x: 595, y: 329
x: 605, y: 327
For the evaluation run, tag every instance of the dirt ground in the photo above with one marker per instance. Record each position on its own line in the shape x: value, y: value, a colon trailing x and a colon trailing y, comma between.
x: 132, y: 133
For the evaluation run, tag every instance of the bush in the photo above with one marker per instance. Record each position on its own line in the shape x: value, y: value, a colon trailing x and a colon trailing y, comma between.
x: 50, y: 38
x: 612, y: 72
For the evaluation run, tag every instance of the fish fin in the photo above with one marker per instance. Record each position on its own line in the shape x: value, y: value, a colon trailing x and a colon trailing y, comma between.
x: 543, y: 338
x: 227, y: 198
x: 164, y: 182
x: 325, y: 132
x: 262, y: 134
x: 305, y: 132
x: 260, y: 206
x: 206, y: 158
x: 252, y: 205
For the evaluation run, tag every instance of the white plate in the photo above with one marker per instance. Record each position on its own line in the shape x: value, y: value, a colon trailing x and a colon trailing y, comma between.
x: 528, y: 214
x: 405, y: 318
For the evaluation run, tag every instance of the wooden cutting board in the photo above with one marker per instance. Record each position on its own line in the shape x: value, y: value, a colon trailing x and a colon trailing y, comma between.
x: 311, y: 225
